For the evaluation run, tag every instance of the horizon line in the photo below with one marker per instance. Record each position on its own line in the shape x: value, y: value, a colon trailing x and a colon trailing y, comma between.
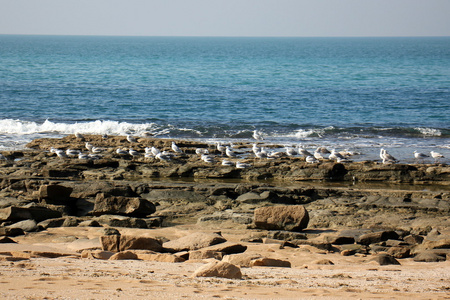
x: 227, y: 36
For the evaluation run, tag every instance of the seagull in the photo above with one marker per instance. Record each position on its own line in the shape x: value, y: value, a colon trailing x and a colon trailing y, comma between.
x: 291, y: 151
x: 89, y: 146
x: 241, y: 165
x: 162, y: 156
x: 386, y: 157
x: 71, y: 152
x: 83, y: 156
x: 104, y: 136
x: 229, y: 152
x: 304, y: 152
x: 275, y: 154
x: 95, y: 156
x: 175, y: 148
x: 207, y: 158
x: 437, y: 156
x: 311, y: 160
x: 336, y: 156
x: 133, y: 152
x: 322, y: 150
x: 317, y: 155
x: 97, y: 150
x: 131, y: 139
x: 221, y: 148
x: 201, y: 151
x: 61, y: 153
x: 155, y: 151
x: 121, y: 151
x: 227, y: 163
x: 256, y: 149
x: 420, y: 156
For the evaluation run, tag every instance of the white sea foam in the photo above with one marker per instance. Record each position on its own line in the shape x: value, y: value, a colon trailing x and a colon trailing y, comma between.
x: 429, y: 131
x: 19, y: 127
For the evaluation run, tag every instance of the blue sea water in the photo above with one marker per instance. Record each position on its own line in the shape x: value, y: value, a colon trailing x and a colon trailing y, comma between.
x: 356, y: 93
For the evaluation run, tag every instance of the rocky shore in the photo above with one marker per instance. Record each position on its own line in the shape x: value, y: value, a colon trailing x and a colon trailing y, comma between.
x: 387, y: 214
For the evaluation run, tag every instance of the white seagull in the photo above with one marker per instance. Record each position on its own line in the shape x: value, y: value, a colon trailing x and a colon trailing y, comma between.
x: 229, y: 152
x: 133, y: 152
x: 89, y: 146
x: 336, y: 156
x: 386, y: 157
x: 241, y: 165
x: 201, y: 151
x: 131, y: 139
x: 227, y: 163
x: 437, y: 156
x: 291, y: 151
x: 121, y: 151
x: 304, y: 152
x: 311, y: 160
x: 175, y: 148
x: 221, y: 148
x: 420, y: 156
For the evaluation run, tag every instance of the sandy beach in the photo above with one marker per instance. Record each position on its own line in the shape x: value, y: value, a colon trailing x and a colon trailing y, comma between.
x: 402, y: 209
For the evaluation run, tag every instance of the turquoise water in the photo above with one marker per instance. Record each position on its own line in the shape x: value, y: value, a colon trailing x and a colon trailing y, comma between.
x: 344, y: 92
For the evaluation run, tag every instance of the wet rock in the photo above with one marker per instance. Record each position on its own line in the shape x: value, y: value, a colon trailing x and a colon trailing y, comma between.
x: 219, y: 269
x: 281, y: 217
x: 194, y: 241
x: 135, y: 207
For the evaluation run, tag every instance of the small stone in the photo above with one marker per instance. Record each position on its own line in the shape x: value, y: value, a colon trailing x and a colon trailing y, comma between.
x: 219, y: 269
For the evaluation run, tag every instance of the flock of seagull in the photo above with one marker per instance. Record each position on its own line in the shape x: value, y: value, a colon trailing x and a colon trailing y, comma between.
x: 229, y: 156
x: 228, y: 152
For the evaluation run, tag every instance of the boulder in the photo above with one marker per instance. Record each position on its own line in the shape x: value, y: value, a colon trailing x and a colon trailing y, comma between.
x: 110, y: 242
x: 123, y: 255
x: 25, y: 225
x: 428, y: 256
x: 144, y: 243
x: 241, y: 259
x: 120, y: 205
x: 194, y: 241
x: 385, y: 259
x: 270, y: 262
x: 219, y: 269
x: 205, y: 254
x: 281, y: 217
x: 55, y: 194
x: 96, y: 254
x: 37, y: 213
x: 376, y: 237
x: 6, y: 231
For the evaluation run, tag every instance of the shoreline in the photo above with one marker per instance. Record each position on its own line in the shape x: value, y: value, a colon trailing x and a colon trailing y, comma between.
x: 65, y: 206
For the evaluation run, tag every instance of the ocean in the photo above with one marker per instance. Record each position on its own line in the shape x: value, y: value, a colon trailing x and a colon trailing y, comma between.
x: 359, y: 94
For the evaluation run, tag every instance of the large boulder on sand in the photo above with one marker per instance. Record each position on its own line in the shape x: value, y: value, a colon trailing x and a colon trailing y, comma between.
x: 194, y: 241
x: 219, y: 269
x: 281, y: 217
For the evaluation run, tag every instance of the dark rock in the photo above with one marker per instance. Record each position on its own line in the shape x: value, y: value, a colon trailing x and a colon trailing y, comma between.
x: 399, y: 252
x: 5, y: 231
x: 135, y: 207
x: 55, y: 194
x: 376, y: 237
x: 6, y: 240
x: 36, y: 213
x: 385, y: 259
x: 413, y: 239
x: 286, y: 235
x: 144, y: 243
x: 59, y: 222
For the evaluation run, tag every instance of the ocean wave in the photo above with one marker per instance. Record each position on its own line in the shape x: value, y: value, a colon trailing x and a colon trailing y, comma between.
x: 19, y: 127
x: 429, y: 131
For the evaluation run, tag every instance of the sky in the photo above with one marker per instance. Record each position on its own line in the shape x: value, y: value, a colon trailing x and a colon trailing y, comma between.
x: 319, y: 18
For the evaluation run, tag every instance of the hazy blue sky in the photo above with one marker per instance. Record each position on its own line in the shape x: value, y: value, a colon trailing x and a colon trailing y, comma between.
x: 227, y: 17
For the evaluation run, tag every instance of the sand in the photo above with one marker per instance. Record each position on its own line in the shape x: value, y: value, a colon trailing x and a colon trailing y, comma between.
x: 71, y: 277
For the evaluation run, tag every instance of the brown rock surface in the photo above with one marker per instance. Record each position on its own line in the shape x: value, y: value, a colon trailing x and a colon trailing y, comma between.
x: 282, y: 217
